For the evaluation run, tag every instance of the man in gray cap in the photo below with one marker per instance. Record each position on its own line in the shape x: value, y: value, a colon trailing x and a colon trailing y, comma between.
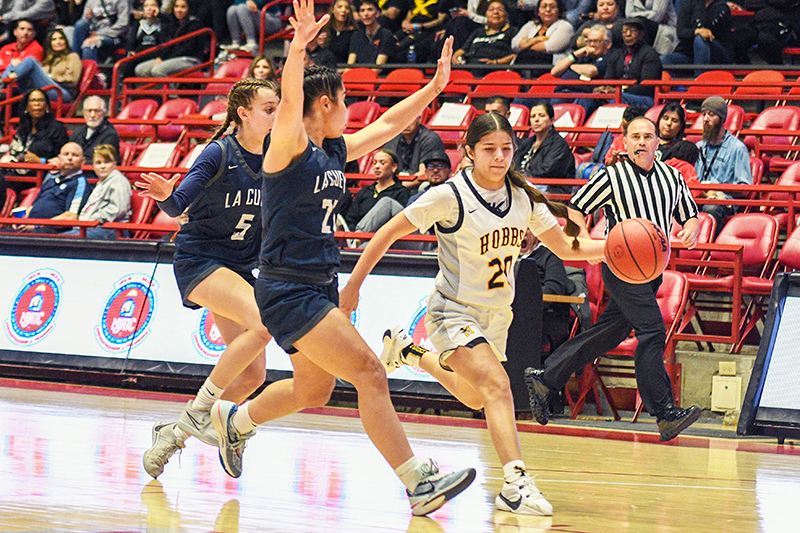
x: 723, y: 157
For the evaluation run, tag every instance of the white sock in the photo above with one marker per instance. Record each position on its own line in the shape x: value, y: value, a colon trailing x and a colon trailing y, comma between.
x: 513, y: 470
x: 410, y: 473
x: 206, y: 396
x: 180, y: 434
x: 242, y: 421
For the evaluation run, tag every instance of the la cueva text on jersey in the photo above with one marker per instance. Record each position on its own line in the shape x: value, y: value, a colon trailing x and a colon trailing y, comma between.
x: 247, y: 197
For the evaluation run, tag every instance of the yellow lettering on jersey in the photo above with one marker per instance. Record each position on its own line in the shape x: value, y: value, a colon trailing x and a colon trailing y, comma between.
x: 237, y: 200
x: 506, y: 236
x: 467, y: 331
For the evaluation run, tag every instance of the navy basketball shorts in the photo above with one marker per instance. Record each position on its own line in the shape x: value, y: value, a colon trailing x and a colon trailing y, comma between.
x: 289, y: 310
x: 191, y: 270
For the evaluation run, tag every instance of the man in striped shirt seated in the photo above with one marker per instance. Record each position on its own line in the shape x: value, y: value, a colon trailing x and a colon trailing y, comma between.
x: 636, y: 187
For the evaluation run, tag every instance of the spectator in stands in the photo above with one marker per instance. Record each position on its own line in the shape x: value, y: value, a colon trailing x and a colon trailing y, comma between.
x: 40, y: 13
x: 684, y: 158
x: 421, y: 29
x: 586, y: 63
x: 68, y: 12
x: 723, y: 158
x: 63, y: 191
x: 545, y: 39
x: 110, y: 200
x: 340, y: 29
x: 617, y: 151
x: 23, y: 46
x: 545, y: 154
x: 61, y: 67
x: 39, y: 135
x: 151, y: 31
x: 659, y: 20
x: 671, y: 124
x: 463, y: 21
x: 498, y: 104
x: 317, y: 52
x: 102, y: 28
x: 774, y: 27
x: 638, y: 61
x: 392, y: 15
x: 96, y: 130
x: 372, y: 43
x: 413, y: 146
x: 179, y: 56
x: 209, y: 12
x: 244, y: 18
x: 437, y: 170
x: 491, y: 44
x: 608, y: 15
x: 261, y: 68
x: 704, y: 34
x: 577, y: 10
x: 373, y: 205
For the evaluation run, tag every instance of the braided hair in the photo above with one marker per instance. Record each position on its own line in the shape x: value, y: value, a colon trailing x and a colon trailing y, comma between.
x: 491, y: 122
x: 242, y: 95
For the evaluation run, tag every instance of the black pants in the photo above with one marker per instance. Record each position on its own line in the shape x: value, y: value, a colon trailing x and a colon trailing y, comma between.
x: 630, y: 307
x: 524, y: 344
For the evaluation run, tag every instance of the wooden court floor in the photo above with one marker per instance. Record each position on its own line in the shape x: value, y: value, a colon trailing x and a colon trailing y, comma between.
x: 71, y: 461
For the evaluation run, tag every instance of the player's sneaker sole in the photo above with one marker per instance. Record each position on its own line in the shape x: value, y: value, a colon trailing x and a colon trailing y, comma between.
x: 436, y: 492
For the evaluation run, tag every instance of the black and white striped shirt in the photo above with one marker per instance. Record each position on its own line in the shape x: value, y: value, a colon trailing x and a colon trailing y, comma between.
x: 626, y: 191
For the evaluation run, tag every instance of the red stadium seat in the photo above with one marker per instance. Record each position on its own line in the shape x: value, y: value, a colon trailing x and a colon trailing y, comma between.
x: 11, y: 198
x: 460, y: 84
x: 487, y: 89
x: 450, y: 122
x: 733, y: 123
x: 569, y: 116
x: 608, y: 116
x: 234, y: 68
x: 359, y: 114
x: 407, y: 80
x: 175, y: 108
x: 142, y: 109
x: 774, y: 118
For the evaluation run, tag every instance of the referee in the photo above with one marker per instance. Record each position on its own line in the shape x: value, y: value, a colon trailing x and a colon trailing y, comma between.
x: 638, y: 186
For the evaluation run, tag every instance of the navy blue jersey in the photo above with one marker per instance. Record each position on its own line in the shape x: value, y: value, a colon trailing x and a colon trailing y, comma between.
x: 224, y: 214
x: 300, y: 207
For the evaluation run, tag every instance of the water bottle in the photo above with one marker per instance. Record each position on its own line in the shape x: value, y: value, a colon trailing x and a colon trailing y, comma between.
x: 412, y: 54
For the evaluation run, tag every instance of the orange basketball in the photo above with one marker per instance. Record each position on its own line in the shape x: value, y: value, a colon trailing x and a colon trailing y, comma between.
x: 637, y: 250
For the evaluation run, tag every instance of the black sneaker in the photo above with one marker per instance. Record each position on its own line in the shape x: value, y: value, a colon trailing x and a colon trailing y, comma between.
x: 674, y: 420
x: 538, y: 394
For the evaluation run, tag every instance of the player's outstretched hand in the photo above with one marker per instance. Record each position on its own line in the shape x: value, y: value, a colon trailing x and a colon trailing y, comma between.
x: 442, y: 75
x: 305, y: 25
x: 156, y: 186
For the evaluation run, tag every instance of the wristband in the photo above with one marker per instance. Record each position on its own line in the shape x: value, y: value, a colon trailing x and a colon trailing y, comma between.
x: 416, y: 27
x: 44, y: 160
x: 572, y: 57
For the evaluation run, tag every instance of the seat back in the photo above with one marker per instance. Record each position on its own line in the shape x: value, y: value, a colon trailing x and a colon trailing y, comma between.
x: 408, y: 80
x: 357, y: 79
x: 11, y: 198
x: 234, y: 68
x: 757, y: 233
x: 568, y: 116
x: 142, y: 109
x: 189, y: 158
x: 760, y: 76
x: 789, y: 257
x: 653, y: 113
x: 671, y: 297
x: 360, y: 114
x: 606, y: 116
x: 545, y: 90
x: 705, y: 235
x: 27, y: 197
x: 163, y: 219
x: 461, y: 83
x: 141, y: 208
x: 776, y: 118
x: 725, y: 79
x: 519, y: 116
x: 158, y: 155
x: 174, y: 108
x: 451, y: 115
x: 488, y: 89
x: 756, y: 169
x: 215, y: 107
x: 790, y: 176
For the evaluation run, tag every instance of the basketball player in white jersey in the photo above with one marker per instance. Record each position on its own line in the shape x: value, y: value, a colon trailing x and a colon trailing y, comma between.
x: 481, y: 216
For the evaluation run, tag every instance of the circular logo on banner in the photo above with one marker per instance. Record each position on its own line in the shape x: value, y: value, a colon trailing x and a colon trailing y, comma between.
x: 34, y: 310
x: 207, y: 339
x: 125, y: 321
x: 419, y: 333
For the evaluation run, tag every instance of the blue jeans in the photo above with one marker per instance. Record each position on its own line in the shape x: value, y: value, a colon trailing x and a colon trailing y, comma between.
x: 705, y: 53
x: 95, y: 233
x: 98, y: 53
x: 31, y: 75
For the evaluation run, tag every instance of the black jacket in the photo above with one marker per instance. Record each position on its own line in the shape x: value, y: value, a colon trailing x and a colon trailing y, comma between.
x: 105, y: 134
x: 645, y: 64
x: 553, y: 159
x: 695, y: 14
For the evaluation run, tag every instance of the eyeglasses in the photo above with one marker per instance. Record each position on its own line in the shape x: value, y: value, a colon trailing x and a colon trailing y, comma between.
x: 436, y: 166
x: 594, y: 41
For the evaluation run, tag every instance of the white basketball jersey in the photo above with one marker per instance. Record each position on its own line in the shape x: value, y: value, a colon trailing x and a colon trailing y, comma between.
x: 478, y: 243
